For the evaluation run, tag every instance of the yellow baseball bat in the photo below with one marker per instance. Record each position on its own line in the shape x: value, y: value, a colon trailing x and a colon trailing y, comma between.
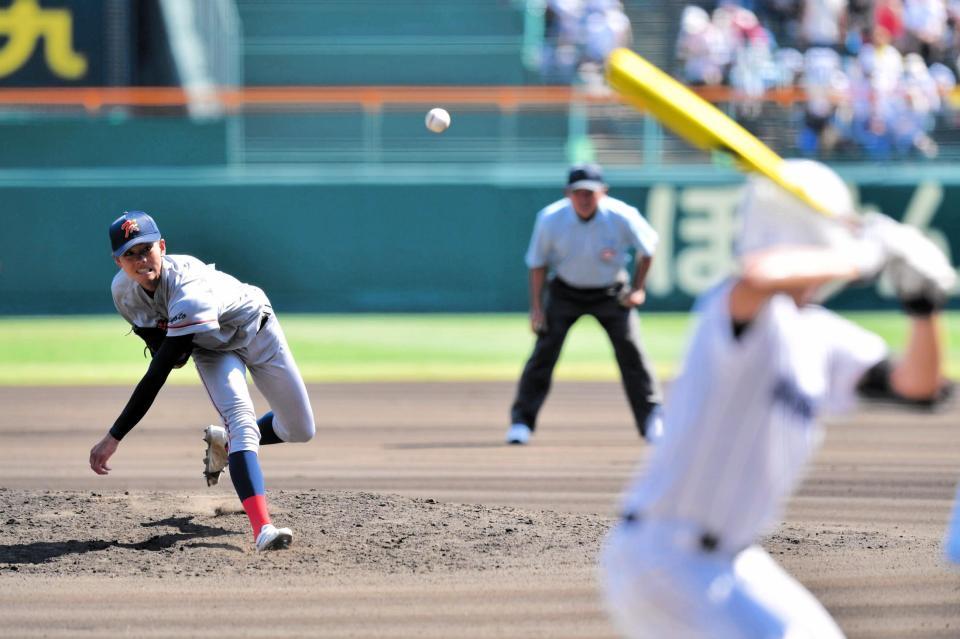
x: 697, y: 121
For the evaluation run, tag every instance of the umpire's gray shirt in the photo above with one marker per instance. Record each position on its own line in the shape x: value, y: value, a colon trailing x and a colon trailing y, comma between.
x: 589, y: 254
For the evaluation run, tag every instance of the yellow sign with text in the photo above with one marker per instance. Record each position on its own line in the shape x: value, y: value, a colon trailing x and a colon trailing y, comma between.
x: 24, y: 23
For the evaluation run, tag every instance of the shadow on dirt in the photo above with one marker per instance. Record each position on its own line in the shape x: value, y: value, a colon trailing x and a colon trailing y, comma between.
x: 43, y: 551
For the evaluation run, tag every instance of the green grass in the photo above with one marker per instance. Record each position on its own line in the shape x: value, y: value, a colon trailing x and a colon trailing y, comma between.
x: 98, y: 350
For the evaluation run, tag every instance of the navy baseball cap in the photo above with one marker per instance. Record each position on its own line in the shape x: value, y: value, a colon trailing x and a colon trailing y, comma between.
x: 586, y: 176
x: 130, y: 229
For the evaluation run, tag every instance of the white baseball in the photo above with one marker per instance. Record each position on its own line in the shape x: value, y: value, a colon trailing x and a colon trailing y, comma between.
x: 438, y: 120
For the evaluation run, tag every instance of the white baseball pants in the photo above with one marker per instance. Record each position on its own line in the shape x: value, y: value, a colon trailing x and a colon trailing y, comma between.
x: 275, y: 374
x: 658, y: 582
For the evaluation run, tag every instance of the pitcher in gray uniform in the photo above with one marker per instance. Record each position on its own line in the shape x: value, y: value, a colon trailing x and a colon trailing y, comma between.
x: 581, y: 245
x: 182, y: 307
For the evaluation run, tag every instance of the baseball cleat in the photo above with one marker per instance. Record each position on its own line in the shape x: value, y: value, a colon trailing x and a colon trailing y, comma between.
x: 215, y: 458
x: 273, y: 538
x: 519, y: 434
x: 653, y: 428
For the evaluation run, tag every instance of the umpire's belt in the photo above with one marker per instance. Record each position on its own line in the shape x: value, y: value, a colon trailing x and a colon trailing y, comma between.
x: 683, y: 535
x: 592, y: 295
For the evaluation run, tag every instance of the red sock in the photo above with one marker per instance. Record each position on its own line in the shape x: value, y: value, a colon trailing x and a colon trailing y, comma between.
x: 256, y: 507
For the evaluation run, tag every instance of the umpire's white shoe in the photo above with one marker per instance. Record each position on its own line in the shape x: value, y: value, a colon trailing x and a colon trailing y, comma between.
x: 519, y: 434
x: 653, y: 428
x: 273, y: 538
x: 215, y: 459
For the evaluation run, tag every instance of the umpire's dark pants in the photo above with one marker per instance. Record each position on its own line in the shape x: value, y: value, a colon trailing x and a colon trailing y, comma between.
x: 564, y: 305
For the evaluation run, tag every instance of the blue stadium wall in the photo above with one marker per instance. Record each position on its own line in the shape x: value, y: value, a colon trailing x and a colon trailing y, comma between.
x: 408, y: 238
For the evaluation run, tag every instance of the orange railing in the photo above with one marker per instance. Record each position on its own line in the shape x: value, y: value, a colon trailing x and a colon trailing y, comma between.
x: 505, y: 98
x: 369, y: 98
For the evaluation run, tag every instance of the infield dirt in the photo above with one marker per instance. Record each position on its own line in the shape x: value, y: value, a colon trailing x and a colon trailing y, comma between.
x: 412, y: 519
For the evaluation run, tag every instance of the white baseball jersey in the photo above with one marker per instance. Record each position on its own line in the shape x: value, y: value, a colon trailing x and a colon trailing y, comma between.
x: 740, y: 422
x: 231, y: 335
x: 589, y: 254
x: 221, y: 312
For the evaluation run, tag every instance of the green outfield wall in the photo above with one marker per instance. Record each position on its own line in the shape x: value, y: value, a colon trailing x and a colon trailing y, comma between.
x: 407, y: 238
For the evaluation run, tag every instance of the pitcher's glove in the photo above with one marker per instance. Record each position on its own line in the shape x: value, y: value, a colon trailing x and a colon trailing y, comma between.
x: 920, y: 273
x: 153, y: 338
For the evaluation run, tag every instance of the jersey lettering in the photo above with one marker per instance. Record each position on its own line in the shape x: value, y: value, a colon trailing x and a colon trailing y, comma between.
x: 787, y: 395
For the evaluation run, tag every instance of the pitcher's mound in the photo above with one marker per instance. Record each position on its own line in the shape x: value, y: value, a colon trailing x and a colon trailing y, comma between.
x: 335, y: 534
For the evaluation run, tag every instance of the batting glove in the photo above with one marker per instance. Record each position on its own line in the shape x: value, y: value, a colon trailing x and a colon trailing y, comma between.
x: 921, y: 275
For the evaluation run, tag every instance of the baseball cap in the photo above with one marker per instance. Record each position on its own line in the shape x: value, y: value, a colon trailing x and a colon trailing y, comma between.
x: 586, y: 176
x: 130, y: 229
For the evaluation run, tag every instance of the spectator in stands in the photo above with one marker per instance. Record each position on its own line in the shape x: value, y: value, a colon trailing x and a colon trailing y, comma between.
x: 953, y: 32
x: 817, y: 135
x: 724, y: 20
x: 883, y: 64
x: 859, y: 14
x: 823, y: 23
x: 888, y: 14
x: 560, y: 56
x: 945, y: 78
x: 870, y: 100
x: 859, y: 23
x: 706, y: 42
x: 910, y: 129
x: 780, y: 16
x: 916, y: 109
x: 579, y: 35
x: 789, y: 64
x: 603, y: 28
x: 819, y: 66
x: 925, y: 23
x: 753, y: 70
x: 859, y: 107
x: 823, y: 78
x: 918, y: 79
x: 946, y: 82
x: 696, y: 46
x: 874, y: 138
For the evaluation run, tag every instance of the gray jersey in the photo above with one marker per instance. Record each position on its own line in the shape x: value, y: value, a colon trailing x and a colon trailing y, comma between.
x: 221, y: 312
x: 740, y: 422
x: 589, y: 254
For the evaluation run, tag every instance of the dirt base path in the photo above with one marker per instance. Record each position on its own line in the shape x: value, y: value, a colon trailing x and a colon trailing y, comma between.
x: 413, y: 520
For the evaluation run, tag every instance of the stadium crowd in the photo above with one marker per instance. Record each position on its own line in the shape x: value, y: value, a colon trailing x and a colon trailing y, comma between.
x: 579, y: 35
x: 876, y: 73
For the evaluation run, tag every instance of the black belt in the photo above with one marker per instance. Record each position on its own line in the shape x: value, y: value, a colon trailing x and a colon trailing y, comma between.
x: 263, y: 321
x: 708, y: 541
x: 589, y: 290
x: 580, y: 295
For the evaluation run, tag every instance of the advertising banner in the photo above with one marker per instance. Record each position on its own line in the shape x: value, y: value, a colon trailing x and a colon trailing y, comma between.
x: 65, y: 43
x: 697, y: 225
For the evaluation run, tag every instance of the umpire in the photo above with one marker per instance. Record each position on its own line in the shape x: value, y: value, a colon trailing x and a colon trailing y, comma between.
x: 582, y: 243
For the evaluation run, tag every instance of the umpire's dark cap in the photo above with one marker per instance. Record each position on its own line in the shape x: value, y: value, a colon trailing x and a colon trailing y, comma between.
x: 130, y: 229
x: 586, y: 176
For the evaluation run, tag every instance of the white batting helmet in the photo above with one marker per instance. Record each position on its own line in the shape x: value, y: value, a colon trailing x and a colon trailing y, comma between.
x: 769, y: 216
